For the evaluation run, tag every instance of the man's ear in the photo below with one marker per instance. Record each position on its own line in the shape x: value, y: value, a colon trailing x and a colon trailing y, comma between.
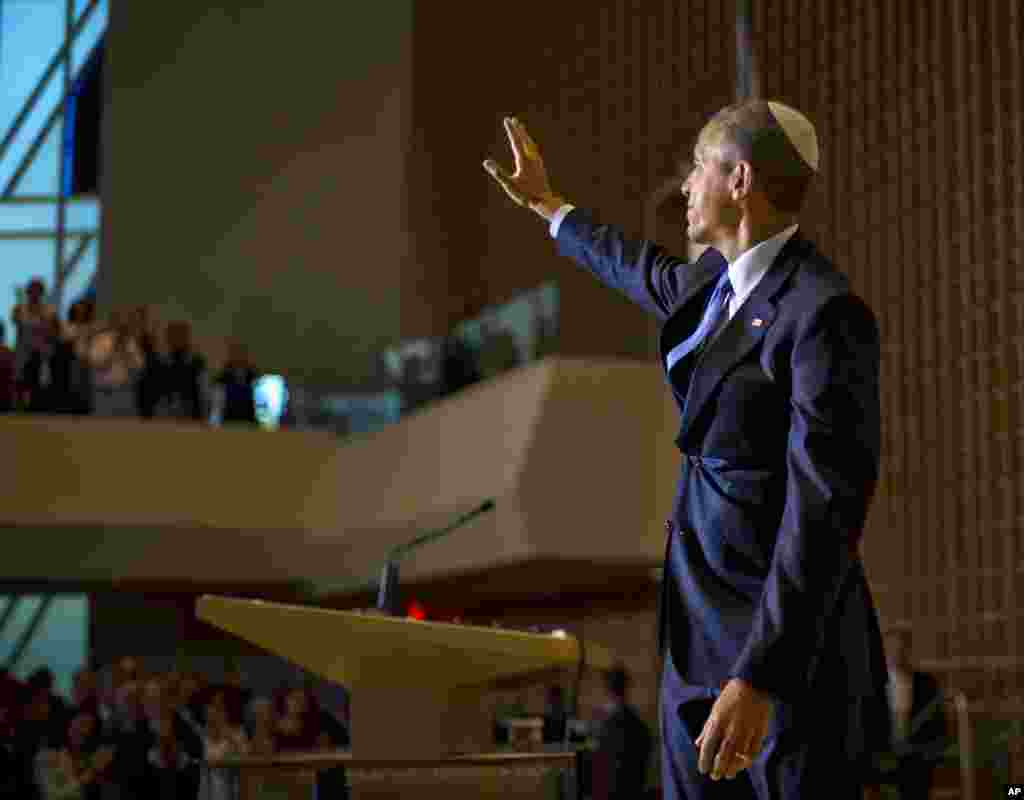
x: 742, y: 180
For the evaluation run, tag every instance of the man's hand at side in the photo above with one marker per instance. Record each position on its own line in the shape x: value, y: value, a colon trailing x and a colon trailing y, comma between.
x: 528, y: 185
x: 735, y: 730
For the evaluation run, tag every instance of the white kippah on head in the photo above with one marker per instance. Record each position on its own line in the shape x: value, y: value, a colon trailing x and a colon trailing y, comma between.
x: 799, y: 130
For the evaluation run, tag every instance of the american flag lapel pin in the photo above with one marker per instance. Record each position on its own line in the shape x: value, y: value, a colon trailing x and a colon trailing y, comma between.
x: 758, y: 322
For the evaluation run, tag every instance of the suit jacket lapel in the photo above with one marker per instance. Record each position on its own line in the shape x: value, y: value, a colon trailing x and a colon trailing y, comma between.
x: 739, y: 336
x: 688, y: 312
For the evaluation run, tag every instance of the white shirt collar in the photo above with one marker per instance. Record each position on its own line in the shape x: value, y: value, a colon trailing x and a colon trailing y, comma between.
x: 747, y: 270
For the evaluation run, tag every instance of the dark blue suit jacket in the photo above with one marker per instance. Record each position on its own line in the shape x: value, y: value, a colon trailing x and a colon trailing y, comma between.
x: 780, y: 442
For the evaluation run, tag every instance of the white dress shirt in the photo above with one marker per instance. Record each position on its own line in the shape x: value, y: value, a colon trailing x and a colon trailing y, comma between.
x: 901, y: 701
x: 747, y: 270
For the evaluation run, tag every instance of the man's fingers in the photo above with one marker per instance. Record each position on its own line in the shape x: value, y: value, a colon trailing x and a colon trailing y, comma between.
x: 711, y: 741
x: 497, y: 171
x: 743, y: 756
x: 526, y: 144
x: 515, y: 141
x: 726, y: 764
x: 506, y: 181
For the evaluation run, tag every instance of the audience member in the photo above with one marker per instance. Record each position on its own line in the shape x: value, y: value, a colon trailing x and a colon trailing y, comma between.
x: 132, y: 738
x: 115, y: 357
x: 191, y: 691
x: 262, y: 726
x: 223, y: 738
x: 237, y: 695
x: 296, y: 727
x: 34, y: 321
x: 70, y: 390
x: 919, y: 726
x: 160, y: 698
x: 85, y: 693
x: 8, y: 375
x: 42, y: 681
x: 458, y: 365
x: 499, y: 350
x: 16, y: 761
x: 556, y: 717
x: 183, y: 383
x: 76, y: 771
x: 171, y: 773
x: 624, y: 744
x: 234, y: 389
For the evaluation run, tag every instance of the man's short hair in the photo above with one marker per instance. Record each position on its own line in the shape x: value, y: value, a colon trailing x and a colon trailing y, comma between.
x: 779, y: 143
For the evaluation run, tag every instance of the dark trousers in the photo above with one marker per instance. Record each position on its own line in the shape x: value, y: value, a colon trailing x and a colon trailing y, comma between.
x: 799, y: 760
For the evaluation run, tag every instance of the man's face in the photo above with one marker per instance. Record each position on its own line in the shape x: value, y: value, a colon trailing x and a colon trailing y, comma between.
x: 711, y: 214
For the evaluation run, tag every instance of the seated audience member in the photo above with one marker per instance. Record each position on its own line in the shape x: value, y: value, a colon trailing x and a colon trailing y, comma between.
x: 919, y: 727
x: 34, y: 322
x: 234, y: 388
x: 223, y: 738
x: 8, y: 375
x: 115, y: 358
x: 183, y: 376
x: 78, y: 770
x: 171, y: 773
x: 624, y: 744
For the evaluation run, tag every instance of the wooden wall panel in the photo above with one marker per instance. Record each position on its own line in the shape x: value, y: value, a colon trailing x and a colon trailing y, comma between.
x: 919, y: 110
x: 613, y: 91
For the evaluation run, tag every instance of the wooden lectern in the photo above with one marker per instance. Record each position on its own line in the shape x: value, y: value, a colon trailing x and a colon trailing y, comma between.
x: 416, y: 686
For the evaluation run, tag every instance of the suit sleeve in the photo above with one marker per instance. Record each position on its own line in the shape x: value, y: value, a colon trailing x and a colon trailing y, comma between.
x: 639, y: 269
x: 832, y: 469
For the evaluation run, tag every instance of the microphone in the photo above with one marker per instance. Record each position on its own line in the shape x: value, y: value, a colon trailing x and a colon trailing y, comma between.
x: 387, y: 583
x: 389, y: 599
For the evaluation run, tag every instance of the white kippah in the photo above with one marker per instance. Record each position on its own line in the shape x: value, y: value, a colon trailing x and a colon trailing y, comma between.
x: 799, y: 130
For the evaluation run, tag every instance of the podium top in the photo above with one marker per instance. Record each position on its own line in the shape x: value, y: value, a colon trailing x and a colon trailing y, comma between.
x: 370, y: 650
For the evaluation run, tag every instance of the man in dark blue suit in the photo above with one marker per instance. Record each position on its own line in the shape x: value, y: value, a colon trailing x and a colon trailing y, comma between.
x: 774, y: 673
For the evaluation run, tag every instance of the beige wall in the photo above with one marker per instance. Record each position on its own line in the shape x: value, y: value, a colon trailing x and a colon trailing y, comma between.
x: 258, y: 175
x: 139, y: 501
